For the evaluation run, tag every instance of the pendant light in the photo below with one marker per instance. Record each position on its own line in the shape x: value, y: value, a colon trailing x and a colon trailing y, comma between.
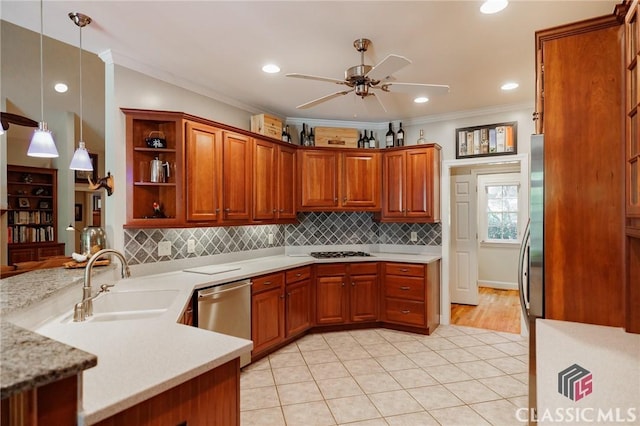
x: 42, y: 144
x: 80, y: 160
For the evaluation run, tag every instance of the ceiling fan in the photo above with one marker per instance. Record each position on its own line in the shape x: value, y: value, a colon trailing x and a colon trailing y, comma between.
x: 7, y: 117
x: 365, y: 80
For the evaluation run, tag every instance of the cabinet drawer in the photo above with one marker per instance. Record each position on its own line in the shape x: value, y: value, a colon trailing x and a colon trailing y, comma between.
x: 267, y: 282
x: 368, y: 268
x: 331, y: 269
x: 405, y: 311
x: 298, y: 274
x: 404, y: 287
x: 407, y: 269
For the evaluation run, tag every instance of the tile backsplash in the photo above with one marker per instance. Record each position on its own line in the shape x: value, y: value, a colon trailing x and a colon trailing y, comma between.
x: 313, y: 229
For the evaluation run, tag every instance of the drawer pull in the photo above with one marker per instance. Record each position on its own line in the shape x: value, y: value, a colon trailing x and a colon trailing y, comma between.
x: 404, y: 270
x: 405, y: 287
x: 405, y: 311
x: 266, y: 283
x: 298, y: 274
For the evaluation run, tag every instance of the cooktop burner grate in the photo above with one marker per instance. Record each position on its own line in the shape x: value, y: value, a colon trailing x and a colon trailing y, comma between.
x: 333, y: 254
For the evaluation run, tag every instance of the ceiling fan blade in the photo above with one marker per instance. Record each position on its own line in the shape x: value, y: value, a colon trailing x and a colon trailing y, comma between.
x: 431, y: 89
x: 379, y: 99
x: 323, y: 99
x: 388, y: 66
x: 314, y: 77
x: 7, y: 117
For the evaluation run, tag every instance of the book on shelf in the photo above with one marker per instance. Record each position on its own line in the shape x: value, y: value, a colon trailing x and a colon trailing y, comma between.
x: 500, y: 138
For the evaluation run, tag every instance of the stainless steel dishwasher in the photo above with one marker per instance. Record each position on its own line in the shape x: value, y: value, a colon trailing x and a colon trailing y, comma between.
x: 226, y: 309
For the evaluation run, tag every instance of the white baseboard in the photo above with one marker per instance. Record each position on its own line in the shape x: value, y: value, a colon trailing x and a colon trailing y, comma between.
x: 500, y: 285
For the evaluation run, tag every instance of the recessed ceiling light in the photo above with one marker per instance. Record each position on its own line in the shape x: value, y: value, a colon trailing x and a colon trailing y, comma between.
x: 493, y: 6
x: 421, y: 100
x: 271, y: 68
x: 61, y: 87
x: 509, y: 86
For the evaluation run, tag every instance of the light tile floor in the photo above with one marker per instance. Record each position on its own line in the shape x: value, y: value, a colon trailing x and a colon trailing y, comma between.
x: 457, y: 376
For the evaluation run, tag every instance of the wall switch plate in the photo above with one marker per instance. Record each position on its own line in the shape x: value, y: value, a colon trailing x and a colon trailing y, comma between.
x: 164, y: 248
x: 191, y: 245
x: 270, y: 238
x: 414, y: 236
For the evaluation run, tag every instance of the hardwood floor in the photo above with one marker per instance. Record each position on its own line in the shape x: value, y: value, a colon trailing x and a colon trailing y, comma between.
x: 497, y: 310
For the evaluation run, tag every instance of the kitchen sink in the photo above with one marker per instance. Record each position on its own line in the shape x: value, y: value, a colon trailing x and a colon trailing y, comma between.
x: 129, y: 305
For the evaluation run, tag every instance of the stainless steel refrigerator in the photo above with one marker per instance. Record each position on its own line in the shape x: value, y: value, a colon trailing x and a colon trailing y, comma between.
x: 578, y: 373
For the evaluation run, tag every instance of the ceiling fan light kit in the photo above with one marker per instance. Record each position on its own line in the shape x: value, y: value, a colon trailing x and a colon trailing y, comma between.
x: 80, y: 160
x: 42, y: 144
x: 366, y: 80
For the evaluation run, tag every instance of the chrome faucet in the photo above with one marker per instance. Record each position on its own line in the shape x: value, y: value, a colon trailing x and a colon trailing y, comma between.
x: 84, y: 309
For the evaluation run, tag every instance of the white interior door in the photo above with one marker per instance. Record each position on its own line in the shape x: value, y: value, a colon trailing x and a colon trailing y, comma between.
x: 464, y: 257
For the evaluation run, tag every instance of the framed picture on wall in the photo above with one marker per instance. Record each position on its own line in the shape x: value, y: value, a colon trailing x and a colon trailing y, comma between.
x: 487, y: 140
x: 78, y: 213
x: 83, y: 176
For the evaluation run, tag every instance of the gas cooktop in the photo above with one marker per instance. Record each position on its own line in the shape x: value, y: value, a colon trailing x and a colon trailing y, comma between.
x: 332, y: 254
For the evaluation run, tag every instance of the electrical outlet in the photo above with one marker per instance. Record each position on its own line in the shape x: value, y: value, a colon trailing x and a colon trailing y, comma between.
x: 270, y: 238
x: 191, y: 246
x: 164, y: 248
x: 414, y: 236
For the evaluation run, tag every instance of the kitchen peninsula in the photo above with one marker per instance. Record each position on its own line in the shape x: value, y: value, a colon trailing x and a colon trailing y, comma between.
x: 140, y: 360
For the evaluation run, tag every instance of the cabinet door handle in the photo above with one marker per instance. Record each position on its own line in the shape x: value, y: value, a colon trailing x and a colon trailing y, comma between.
x: 344, y: 199
x: 227, y: 210
x: 275, y: 210
x: 353, y: 284
x: 342, y: 284
x: 282, y: 296
x: 405, y: 287
x: 405, y: 311
x: 281, y: 210
x: 288, y: 294
x: 217, y: 210
x: 335, y: 200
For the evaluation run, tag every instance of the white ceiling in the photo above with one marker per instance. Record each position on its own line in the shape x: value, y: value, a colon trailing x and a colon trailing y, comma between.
x: 217, y: 48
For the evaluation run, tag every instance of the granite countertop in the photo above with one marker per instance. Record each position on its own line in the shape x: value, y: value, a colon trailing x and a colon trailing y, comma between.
x: 22, y: 348
x: 137, y: 358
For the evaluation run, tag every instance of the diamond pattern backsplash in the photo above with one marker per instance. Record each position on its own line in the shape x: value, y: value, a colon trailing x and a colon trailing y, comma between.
x: 313, y: 229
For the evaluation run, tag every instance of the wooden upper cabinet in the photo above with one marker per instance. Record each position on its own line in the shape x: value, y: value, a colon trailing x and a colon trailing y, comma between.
x: 394, y: 186
x: 334, y: 180
x: 287, y: 183
x: 318, y: 177
x: 264, y: 180
x: 236, y: 184
x: 204, y: 171
x: 411, y: 184
x: 360, y: 183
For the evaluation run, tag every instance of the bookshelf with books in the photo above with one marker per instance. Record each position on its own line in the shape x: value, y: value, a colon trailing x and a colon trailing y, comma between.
x: 31, y: 214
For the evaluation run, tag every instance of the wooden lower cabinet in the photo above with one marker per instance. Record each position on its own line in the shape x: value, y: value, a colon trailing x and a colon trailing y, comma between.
x: 298, y: 298
x: 213, y: 398
x: 51, y: 404
x: 346, y: 293
x: 411, y: 295
x: 267, y: 312
x: 281, y: 308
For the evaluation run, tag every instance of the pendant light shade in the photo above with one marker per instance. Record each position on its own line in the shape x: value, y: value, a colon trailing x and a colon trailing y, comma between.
x: 42, y: 144
x: 80, y: 160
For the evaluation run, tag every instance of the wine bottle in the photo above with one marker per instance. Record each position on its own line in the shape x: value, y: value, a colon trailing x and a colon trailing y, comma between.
x: 421, y: 140
x: 361, y: 140
x: 304, y: 138
x: 312, y: 137
x: 400, y: 136
x: 390, y: 136
x: 372, y: 140
x: 288, y: 134
x: 285, y: 134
